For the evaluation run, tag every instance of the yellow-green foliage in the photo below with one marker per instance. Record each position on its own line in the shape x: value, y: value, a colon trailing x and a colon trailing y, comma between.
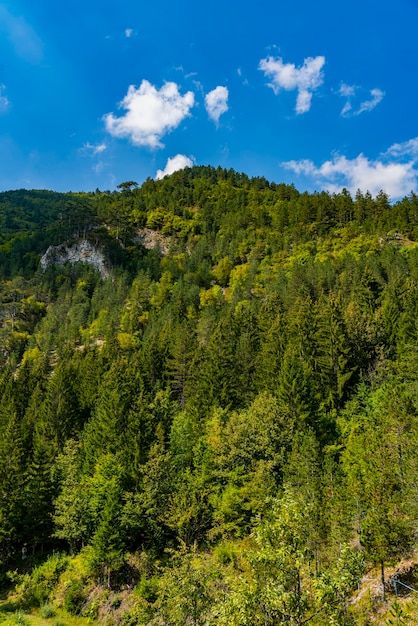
x: 36, y: 588
x: 222, y: 271
x: 32, y: 355
x: 126, y: 341
x: 238, y: 400
x: 213, y: 296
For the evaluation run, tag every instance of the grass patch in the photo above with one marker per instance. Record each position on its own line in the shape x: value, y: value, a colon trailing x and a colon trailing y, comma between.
x: 20, y: 618
x: 60, y: 618
x: 46, y: 611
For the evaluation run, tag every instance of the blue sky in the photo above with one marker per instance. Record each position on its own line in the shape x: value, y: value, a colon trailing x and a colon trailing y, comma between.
x: 320, y: 94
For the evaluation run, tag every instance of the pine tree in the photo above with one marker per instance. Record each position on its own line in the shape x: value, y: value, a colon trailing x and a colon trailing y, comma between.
x: 335, y: 367
x: 294, y: 388
x: 179, y: 362
x: 11, y: 485
x: 108, y: 429
x: 39, y: 494
x: 107, y: 543
x: 270, y: 356
x: 72, y: 517
x: 145, y: 509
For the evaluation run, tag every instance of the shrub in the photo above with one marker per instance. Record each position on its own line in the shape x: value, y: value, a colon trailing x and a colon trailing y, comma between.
x: 37, y: 586
x: 74, y: 598
x: 47, y: 611
x: 21, y: 619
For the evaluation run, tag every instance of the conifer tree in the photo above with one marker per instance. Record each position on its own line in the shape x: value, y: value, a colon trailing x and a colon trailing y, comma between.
x: 72, y: 517
x: 179, y: 362
x: 108, y: 429
x: 12, y: 466
x: 39, y: 493
x: 294, y: 388
x: 107, y: 543
x: 335, y: 367
x: 270, y: 356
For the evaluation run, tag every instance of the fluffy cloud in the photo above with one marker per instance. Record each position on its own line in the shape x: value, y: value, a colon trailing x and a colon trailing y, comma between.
x: 216, y: 103
x: 305, y: 79
x: 128, y: 32
x: 150, y: 113
x: 349, y: 92
x: 396, y: 178
x: 178, y: 162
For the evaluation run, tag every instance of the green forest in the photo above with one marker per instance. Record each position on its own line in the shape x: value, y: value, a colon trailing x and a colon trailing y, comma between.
x: 217, y: 423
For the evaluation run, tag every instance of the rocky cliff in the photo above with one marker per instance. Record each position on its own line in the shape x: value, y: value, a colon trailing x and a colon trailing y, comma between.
x: 81, y: 251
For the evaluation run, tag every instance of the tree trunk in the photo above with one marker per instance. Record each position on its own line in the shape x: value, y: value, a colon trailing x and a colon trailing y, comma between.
x: 383, y: 580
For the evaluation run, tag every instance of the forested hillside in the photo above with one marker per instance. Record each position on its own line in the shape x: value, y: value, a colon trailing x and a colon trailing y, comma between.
x: 223, y: 429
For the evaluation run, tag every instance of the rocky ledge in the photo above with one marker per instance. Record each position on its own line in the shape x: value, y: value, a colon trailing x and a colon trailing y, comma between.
x: 81, y: 251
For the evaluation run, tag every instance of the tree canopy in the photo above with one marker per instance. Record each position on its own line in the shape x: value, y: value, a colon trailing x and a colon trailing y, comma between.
x: 234, y: 408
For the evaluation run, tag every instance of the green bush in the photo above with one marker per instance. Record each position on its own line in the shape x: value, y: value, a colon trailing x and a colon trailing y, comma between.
x: 75, y: 597
x: 37, y: 586
x: 147, y: 588
x: 47, y: 611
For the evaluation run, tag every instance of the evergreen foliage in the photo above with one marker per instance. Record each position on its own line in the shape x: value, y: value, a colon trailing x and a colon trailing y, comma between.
x: 237, y: 400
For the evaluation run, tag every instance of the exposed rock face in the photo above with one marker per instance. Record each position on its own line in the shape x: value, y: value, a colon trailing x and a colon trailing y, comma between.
x: 82, y: 251
x: 151, y: 239
x: 397, y: 240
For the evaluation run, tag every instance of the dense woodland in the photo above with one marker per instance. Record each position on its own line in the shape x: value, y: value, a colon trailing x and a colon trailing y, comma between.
x: 222, y: 431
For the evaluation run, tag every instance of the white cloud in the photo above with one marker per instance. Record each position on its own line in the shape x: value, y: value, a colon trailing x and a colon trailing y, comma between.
x: 405, y: 149
x: 129, y: 32
x: 396, y: 178
x: 150, y: 113
x: 216, y: 103
x: 305, y: 79
x: 345, y: 111
x: 303, y: 166
x: 178, y: 162
x: 94, y: 150
x: 349, y: 92
x: 4, y: 100
x: 368, y: 105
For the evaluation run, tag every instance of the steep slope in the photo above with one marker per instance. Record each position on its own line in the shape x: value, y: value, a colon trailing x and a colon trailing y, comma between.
x: 219, y: 410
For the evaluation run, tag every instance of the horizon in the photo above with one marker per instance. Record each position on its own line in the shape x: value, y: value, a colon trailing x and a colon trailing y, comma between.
x: 314, y: 96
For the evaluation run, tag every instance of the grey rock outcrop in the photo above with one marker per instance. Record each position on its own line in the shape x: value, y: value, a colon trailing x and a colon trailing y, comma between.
x: 81, y: 251
x: 151, y: 239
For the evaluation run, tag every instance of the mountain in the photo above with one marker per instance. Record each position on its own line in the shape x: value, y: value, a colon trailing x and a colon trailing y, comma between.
x: 209, y: 400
